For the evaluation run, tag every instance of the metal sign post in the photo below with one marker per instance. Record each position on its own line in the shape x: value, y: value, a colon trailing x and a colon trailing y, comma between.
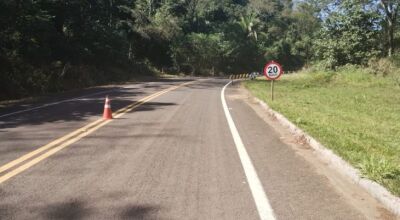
x: 272, y: 71
x: 272, y: 90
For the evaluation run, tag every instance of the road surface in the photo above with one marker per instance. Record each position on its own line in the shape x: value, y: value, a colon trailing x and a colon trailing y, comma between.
x: 170, y: 154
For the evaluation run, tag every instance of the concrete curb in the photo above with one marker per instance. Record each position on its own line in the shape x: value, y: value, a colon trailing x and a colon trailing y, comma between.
x: 390, y: 201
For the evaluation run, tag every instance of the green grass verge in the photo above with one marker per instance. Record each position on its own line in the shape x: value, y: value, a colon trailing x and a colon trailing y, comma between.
x: 352, y: 112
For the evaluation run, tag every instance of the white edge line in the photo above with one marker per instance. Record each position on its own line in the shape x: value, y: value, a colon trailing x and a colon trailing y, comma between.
x: 263, y: 206
x: 53, y: 103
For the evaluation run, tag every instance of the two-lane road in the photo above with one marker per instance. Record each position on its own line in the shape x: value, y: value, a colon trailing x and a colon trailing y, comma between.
x: 170, y: 155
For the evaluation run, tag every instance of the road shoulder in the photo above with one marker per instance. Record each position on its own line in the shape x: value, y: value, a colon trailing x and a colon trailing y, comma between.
x: 346, y: 190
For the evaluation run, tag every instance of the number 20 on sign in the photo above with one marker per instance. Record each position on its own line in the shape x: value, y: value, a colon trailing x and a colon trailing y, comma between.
x: 272, y: 71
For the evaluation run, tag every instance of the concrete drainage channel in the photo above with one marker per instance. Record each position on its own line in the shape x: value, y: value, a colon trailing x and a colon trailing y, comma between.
x: 390, y: 201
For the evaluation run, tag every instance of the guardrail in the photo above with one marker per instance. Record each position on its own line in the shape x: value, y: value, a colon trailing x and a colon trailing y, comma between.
x: 239, y: 76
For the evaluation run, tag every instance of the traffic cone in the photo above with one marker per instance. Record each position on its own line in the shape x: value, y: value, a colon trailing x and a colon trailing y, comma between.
x: 107, y: 109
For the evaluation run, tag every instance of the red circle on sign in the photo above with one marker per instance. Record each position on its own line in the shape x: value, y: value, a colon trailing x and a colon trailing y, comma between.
x: 266, y: 69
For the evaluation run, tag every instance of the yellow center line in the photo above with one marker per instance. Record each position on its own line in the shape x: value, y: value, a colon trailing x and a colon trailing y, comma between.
x: 72, y: 137
x: 47, y: 146
x: 49, y: 153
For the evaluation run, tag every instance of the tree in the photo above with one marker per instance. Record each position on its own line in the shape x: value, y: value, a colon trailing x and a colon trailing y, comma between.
x: 391, y: 10
x: 248, y: 23
x: 348, y: 35
x: 305, y: 25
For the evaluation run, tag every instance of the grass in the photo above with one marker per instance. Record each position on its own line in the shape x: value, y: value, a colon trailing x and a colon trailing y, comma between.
x: 352, y: 112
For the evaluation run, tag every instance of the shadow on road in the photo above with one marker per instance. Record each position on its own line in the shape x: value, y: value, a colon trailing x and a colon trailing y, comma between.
x: 68, y: 210
x: 146, y: 212
x: 80, y: 210
x: 83, y: 108
x: 6, y: 211
x: 78, y: 110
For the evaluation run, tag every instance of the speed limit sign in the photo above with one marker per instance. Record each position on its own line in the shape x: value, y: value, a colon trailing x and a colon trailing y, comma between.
x: 273, y: 70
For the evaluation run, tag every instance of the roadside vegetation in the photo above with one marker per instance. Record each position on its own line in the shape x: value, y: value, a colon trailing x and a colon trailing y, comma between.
x: 354, y: 111
x: 49, y: 46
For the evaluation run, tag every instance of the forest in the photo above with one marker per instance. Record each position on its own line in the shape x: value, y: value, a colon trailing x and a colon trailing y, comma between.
x: 49, y: 46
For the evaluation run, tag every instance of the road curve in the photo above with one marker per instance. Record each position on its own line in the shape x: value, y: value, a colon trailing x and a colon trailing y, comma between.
x: 172, y: 157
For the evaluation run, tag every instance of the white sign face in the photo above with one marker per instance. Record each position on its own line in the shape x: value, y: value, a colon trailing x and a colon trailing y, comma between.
x: 273, y: 70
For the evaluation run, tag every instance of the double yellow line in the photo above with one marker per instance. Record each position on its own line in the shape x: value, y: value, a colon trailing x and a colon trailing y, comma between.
x: 6, y: 171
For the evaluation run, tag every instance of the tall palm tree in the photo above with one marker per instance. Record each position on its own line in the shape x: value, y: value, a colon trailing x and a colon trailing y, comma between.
x: 248, y: 23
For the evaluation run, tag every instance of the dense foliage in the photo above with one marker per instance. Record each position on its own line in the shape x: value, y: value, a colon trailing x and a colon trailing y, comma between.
x: 53, y: 45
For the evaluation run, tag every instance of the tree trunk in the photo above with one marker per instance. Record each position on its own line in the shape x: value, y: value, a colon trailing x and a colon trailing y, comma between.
x: 111, y: 15
x: 390, y: 9
x: 390, y: 38
x: 150, y: 5
x: 130, y: 51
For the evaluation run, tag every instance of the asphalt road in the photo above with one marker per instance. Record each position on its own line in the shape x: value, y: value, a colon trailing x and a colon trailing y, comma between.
x: 171, y: 156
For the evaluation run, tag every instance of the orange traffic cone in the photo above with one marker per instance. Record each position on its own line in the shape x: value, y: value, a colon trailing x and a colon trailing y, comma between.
x: 107, y: 109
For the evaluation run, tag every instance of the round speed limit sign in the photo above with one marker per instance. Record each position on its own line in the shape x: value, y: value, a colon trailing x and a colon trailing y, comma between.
x: 273, y: 70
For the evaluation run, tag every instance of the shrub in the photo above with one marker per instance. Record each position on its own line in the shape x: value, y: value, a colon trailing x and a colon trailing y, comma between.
x: 383, y: 66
